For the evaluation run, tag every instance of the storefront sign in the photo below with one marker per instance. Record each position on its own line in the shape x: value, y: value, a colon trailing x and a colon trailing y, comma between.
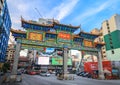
x: 59, y: 61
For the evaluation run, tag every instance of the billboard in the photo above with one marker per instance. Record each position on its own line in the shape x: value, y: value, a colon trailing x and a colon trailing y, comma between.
x: 88, y: 43
x: 43, y: 60
x: 91, y: 66
x: 59, y: 61
x: 35, y: 36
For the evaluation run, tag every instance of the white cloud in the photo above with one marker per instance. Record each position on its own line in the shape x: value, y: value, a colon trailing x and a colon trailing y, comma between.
x: 26, y: 9
x: 17, y: 9
x: 23, y: 7
x: 94, y: 10
x: 63, y: 10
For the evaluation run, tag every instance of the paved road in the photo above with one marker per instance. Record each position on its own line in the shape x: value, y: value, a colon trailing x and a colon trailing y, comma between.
x: 38, y: 80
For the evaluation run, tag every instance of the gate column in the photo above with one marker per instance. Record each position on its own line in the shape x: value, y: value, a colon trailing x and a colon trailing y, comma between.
x: 100, y: 66
x: 65, y: 58
x: 14, y: 76
x: 16, y: 57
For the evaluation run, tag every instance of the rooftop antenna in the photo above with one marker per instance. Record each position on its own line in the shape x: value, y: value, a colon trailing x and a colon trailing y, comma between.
x: 38, y: 12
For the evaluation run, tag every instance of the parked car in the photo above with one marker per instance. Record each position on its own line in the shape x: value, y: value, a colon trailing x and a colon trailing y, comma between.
x: 115, y: 73
x: 19, y: 73
x: 1, y: 73
x: 79, y: 73
x: 53, y: 72
x: 43, y: 73
x: 88, y: 75
x: 58, y: 72
x: 82, y: 73
x: 32, y: 72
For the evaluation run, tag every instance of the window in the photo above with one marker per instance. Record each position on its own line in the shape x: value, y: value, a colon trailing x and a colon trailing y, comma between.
x: 112, y: 51
x: 108, y: 27
x: 111, y: 47
x: 103, y: 48
x: 108, y: 31
x: 102, y: 40
x: 110, y: 42
x: 103, y: 51
x: 107, y: 24
x: 104, y: 56
x: 109, y: 34
x: 110, y: 38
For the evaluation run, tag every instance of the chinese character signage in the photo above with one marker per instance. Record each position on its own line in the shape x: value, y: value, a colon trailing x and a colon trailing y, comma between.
x: 35, y: 36
x: 65, y: 36
x: 88, y: 43
x: 59, y: 61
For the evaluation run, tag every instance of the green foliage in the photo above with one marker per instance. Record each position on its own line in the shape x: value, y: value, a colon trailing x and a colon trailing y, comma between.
x: 6, y: 67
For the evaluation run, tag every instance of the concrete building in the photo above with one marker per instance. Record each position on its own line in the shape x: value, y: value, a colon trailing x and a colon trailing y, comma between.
x: 11, y: 48
x: 11, y: 39
x: 5, y: 26
x: 45, y: 21
x: 101, y: 40
x: 111, y: 33
x: 10, y: 52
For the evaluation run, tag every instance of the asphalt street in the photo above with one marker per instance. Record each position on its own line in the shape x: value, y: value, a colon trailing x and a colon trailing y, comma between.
x: 52, y: 80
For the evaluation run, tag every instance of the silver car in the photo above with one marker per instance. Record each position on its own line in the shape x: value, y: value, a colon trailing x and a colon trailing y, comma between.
x: 47, y: 74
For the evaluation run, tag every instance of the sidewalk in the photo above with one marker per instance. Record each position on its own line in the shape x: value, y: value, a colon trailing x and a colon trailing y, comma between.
x: 2, y: 79
x: 6, y: 79
x: 112, y: 81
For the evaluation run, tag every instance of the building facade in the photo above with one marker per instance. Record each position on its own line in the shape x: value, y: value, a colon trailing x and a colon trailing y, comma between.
x: 11, y: 39
x: 111, y: 33
x: 5, y: 26
x: 10, y: 52
x: 101, y: 40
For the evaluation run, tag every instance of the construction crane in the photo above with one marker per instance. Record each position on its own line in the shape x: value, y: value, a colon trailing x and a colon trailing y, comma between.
x: 38, y: 12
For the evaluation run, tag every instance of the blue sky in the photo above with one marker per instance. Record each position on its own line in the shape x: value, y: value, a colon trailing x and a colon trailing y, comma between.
x: 87, y: 13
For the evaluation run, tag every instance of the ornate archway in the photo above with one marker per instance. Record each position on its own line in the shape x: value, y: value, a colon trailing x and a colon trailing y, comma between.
x: 38, y: 36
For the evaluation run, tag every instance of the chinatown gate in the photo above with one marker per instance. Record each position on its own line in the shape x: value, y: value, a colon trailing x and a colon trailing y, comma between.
x: 55, y: 35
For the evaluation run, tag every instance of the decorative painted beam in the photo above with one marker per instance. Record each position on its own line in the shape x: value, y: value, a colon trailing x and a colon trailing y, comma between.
x: 88, y: 35
x: 98, y: 45
x: 55, y: 45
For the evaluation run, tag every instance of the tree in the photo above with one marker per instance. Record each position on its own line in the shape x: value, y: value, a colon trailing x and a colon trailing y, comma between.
x: 6, y: 67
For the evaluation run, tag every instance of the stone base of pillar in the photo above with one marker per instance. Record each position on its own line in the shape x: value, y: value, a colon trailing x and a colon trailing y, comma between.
x: 15, y: 78
x: 65, y: 77
x: 101, y: 77
x: 68, y: 77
